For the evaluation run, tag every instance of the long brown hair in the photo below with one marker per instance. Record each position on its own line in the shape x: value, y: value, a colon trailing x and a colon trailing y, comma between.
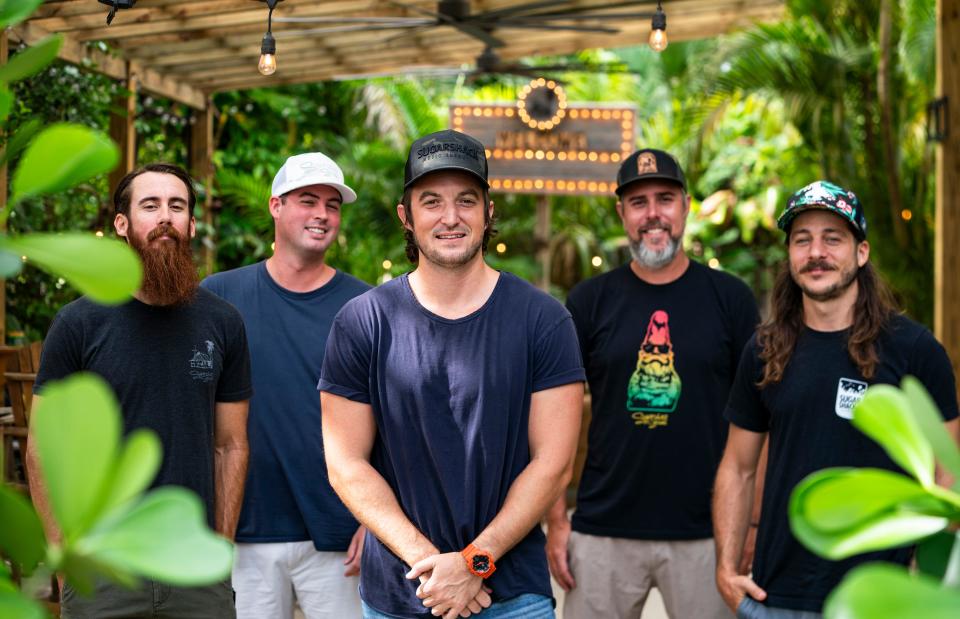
x: 777, y: 337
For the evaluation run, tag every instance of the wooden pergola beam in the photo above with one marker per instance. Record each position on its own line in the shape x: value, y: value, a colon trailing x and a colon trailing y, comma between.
x: 82, y: 56
x: 123, y: 131
x: 947, y: 226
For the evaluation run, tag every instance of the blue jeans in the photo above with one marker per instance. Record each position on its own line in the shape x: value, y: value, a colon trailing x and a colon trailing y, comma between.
x: 526, y: 606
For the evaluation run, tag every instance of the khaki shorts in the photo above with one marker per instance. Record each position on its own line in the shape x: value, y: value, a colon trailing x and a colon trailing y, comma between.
x: 615, y: 575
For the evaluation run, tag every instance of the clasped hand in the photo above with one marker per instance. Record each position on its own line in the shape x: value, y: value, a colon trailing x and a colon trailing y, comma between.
x: 448, y: 588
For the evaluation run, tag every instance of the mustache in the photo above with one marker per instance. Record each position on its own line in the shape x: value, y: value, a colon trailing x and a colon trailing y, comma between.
x: 163, y: 230
x: 650, y: 225
x: 817, y: 264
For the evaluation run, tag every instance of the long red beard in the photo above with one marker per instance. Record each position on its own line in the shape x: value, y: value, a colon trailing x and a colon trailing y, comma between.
x: 169, y: 275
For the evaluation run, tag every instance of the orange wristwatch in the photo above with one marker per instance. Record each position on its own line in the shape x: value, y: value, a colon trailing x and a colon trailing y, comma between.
x: 479, y: 562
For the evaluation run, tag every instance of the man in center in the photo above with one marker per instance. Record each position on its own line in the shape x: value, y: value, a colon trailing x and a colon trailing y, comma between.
x: 661, y: 337
x: 451, y: 399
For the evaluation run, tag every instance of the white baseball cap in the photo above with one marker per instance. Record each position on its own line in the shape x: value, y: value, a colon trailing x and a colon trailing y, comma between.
x: 311, y: 169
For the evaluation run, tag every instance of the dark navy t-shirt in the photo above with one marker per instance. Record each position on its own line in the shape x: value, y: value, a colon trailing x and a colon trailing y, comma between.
x: 808, y: 417
x: 451, y: 400
x: 288, y: 496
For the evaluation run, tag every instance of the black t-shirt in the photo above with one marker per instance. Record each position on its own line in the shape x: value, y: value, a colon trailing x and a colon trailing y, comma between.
x: 807, y: 414
x: 660, y: 360
x: 168, y: 367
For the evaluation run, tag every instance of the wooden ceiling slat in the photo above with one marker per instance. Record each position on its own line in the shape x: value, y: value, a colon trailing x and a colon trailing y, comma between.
x: 189, y: 48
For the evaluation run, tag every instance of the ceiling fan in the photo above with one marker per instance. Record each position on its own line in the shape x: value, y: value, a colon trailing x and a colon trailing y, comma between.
x: 537, y: 15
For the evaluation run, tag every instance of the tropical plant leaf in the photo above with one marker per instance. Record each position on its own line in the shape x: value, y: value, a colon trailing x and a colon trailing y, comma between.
x: 21, y: 536
x: 928, y: 418
x: 19, y: 140
x: 60, y: 157
x: 77, y: 431
x: 13, y: 12
x: 164, y: 537
x: 885, y: 415
x: 835, y: 500
x: 31, y: 60
x: 137, y: 466
x: 933, y: 554
x: 14, y: 606
x: 6, y: 102
x: 10, y: 264
x: 106, y: 270
x: 874, y: 527
x: 879, y: 591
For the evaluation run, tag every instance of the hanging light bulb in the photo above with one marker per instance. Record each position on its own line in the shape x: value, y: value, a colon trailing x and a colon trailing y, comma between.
x: 658, y: 30
x: 268, y: 46
x: 268, y: 55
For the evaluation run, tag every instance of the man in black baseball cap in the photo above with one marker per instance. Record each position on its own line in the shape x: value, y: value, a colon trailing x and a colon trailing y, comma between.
x: 436, y: 389
x: 661, y: 337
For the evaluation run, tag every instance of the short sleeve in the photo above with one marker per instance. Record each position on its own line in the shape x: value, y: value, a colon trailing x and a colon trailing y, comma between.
x: 557, y: 359
x: 346, y: 362
x: 932, y: 367
x: 745, y: 408
x: 746, y: 317
x: 580, y: 322
x: 62, y: 352
x: 235, y: 383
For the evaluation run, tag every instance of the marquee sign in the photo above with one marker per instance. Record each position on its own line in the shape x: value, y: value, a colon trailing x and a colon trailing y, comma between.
x: 544, y: 145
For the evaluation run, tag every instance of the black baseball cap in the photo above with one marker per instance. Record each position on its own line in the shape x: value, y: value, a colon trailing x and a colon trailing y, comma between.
x: 826, y: 196
x: 446, y: 150
x: 649, y: 163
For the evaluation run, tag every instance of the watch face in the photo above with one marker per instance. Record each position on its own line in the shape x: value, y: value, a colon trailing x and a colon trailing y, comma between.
x: 481, y: 563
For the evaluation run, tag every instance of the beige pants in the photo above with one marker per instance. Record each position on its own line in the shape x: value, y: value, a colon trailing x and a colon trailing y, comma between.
x: 614, y: 577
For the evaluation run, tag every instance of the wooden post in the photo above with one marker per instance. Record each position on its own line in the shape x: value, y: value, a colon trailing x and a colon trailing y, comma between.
x: 947, y: 227
x: 124, y: 133
x: 541, y: 239
x: 201, y: 166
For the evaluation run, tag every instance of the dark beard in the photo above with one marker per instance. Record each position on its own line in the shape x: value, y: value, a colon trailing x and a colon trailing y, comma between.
x: 846, y: 280
x: 169, y: 275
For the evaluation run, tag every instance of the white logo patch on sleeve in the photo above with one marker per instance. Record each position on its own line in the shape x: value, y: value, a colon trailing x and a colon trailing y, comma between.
x: 849, y: 393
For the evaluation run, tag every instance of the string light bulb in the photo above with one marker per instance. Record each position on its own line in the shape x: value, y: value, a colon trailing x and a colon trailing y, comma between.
x: 268, y: 46
x: 658, y: 30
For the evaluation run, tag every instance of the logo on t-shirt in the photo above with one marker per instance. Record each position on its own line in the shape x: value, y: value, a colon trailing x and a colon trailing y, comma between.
x: 201, y: 363
x: 654, y: 388
x: 849, y: 393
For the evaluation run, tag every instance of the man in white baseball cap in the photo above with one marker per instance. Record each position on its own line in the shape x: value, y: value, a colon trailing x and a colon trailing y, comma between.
x: 295, y: 539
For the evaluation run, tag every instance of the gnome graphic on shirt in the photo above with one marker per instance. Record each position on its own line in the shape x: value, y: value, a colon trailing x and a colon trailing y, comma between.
x: 655, y: 385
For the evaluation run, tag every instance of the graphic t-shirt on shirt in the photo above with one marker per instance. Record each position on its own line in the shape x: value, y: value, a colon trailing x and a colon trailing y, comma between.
x: 660, y: 360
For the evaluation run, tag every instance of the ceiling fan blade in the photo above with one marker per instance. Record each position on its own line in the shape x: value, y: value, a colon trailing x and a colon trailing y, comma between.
x: 299, y: 32
x: 478, y: 33
x: 326, y: 19
x: 532, y: 25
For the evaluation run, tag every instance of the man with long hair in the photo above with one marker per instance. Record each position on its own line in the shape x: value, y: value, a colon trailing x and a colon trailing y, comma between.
x: 295, y: 539
x: 833, y: 331
x: 176, y: 357
x: 451, y: 402
x: 660, y: 337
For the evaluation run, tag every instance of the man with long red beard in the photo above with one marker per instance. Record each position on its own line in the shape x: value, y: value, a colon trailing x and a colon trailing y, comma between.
x: 660, y: 338
x: 833, y: 331
x: 176, y: 357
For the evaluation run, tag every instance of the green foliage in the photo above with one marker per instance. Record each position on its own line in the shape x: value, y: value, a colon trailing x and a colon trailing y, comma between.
x: 13, y: 12
x: 107, y: 271
x: 842, y: 512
